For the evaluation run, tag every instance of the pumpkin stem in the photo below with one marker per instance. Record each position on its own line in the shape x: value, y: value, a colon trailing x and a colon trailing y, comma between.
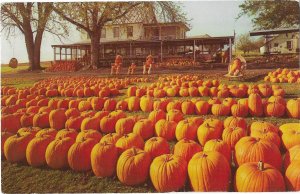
x: 18, y: 134
x: 134, y: 151
x: 260, y: 165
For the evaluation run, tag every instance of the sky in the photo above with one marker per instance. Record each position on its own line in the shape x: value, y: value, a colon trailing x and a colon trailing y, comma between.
x: 215, y: 18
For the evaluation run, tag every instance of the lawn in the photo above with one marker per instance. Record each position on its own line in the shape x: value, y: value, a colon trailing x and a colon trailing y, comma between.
x: 24, y: 178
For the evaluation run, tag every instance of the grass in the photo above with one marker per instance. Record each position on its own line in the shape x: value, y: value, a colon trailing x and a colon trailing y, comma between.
x: 24, y: 178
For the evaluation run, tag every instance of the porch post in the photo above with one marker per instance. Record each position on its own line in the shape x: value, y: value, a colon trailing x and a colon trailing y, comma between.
x: 60, y: 53
x: 76, y: 53
x: 230, y: 50
x: 54, y: 52
x: 161, y: 51
x: 194, y: 50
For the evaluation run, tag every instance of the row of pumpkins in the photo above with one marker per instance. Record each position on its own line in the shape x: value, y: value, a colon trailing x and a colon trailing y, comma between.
x: 283, y: 76
x: 134, y: 154
x: 195, y: 89
x: 68, y: 65
x: 174, y: 110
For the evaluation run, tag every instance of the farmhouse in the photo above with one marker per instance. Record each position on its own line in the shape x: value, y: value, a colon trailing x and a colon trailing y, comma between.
x: 134, y: 41
x: 281, y: 41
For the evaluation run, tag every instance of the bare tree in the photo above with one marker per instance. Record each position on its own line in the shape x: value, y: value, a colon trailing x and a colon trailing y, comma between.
x: 92, y: 16
x: 32, y: 19
x: 246, y: 44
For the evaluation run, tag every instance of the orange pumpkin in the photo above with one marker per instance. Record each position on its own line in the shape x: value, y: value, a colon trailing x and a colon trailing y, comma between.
x: 175, y: 115
x: 93, y: 134
x: 57, y: 119
x: 293, y: 108
x: 72, y: 133
x: 210, y: 129
x: 220, y: 110
x: 157, y: 115
x: 168, y: 173
x: 124, y: 125
x: 128, y: 141
x: 132, y: 166
x: 209, y: 167
x: 187, y: 107
x: 220, y: 146
x: 255, y: 105
x: 165, y: 129
x: 290, y: 134
x: 186, y: 149
x: 292, y: 176
x: 186, y: 129
x: 157, y: 146
x: 79, y: 154
x: 293, y: 154
x: 250, y: 149
x: 250, y: 177
x: 104, y: 158
x: 144, y: 128
x: 110, y: 138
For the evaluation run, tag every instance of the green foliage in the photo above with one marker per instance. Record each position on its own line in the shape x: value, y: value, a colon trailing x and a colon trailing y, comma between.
x: 271, y: 14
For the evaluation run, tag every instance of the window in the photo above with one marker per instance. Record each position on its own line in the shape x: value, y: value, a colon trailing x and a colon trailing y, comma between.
x: 275, y: 44
x: 288, y: 44
x: 116, y: 32
x: 129, y: 31
x: 103, y: 33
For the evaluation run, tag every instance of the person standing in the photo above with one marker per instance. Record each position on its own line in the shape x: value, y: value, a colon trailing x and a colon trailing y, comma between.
x: 148, y: 65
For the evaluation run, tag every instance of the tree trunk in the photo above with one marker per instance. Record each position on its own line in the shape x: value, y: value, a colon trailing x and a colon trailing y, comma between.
x: 30, y: 49
x: 95, y: 48
x: 37, y: 50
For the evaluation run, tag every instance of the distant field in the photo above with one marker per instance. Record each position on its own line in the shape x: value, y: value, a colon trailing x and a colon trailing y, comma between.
x: 21, y: 66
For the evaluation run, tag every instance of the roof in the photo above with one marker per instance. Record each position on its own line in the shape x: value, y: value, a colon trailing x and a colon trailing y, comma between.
x: 274, y: 31
x: 200, y: 36
x: 168, y: 24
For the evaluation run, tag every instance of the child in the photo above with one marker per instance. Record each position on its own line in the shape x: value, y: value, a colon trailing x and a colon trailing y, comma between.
x: 131, y: 69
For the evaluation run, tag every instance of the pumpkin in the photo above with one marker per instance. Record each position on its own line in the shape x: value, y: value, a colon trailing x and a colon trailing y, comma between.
x: 57, y: 152
x: 49, y: 131
x: 11, y: 122
x: 197, y: 121
x: 293, y: 108
x: 146, y: 104
x: 124, y: 125
x: 144, y: 128
x: 168, y: 173
x: 72, y: 133
x: 128, y: 141
x: 156, y: 115
x: 110, y: 105
x: 41, y: 120
x: 27, y: 119
x: 186, y: 129
x: 32, y: 130
x: 133, y: 103
x: 110, y: 138
x: 175, y: 115
x: 186, y: 149
x: 201, y: 107
x: 79, y: 154
x: 15, y: 146
x: 209, y: 167
x: 203, y: 91
x: 107, y: 124
x: 118, y: 114
x: 292, y: 176
x: 84, y: 106
x: 293, y: 154
x: 229, y: 102
x: 187, y: 107
x: 122, y: 105
x: 223, y: 93
x: 132, y: 166
x: 258, y: 177
x: 157, y: 146
x: 290, y: 134
x: 210, y: 129
x: 250, y: 149
x: 93, y: 134
x: 235, y: 122
x: 219, y: 146
x: 74, y: 104
x: 57, y: 119
x: 72, y: 112
x: 104, y: 158
x: 165, y: 129
x: 231, y: 135
x: 4, y: 136
x: 131, y: 91
x: 257, y: 125
x: 220, y: 110
x: 274, y: 109
x: 173, y: 105
x: 74, y: 123
x: 255, y: 105
x: 239, y: 110
x: 267, y: 135
x: 140, y: 92
x: 36, y: 149
x: 265, y: 91
x: 193, y: 91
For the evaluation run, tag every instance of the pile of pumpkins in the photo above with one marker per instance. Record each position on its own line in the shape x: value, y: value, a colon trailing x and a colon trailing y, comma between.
x: 135, y: 149
x: 200, y: 88
x: 283, y: 76
x: 177, y: 62
x: 68, y: 65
